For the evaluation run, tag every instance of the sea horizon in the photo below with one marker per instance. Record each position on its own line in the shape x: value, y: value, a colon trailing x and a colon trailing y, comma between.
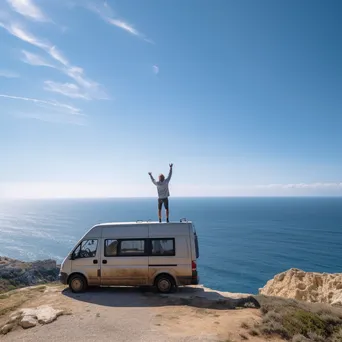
x: 171, y: 197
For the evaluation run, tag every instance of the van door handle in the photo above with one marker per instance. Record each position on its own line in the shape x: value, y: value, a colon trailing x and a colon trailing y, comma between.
x: 95, y: 261
x: 104, y: 261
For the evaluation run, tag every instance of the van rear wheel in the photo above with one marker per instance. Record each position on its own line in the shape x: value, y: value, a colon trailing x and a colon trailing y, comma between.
x: 165, y: 283
x: 77, y: 283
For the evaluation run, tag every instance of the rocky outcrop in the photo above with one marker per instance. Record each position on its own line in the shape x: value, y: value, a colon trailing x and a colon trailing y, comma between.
x: 28, y: 318
x: 15, y: 273
x: 307, y: 286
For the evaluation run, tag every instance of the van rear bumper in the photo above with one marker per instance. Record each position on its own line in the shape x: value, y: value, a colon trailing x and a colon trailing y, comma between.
x: 63, y: 278
x: 188, y: 280
x: 195, y: 281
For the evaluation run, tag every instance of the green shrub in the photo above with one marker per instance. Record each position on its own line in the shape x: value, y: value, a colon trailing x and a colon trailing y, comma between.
x: 299, y: 321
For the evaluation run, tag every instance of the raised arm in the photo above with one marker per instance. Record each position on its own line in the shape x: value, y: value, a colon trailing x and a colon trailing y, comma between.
x: 170, y: 173
x: 152, y: 179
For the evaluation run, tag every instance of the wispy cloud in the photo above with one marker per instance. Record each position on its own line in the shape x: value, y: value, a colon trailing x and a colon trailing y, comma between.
x: 49, y: 111
x: 8, y: 74
x: 155, y: 69
x: 302, y: 186
x: 106, y: 13
x: 36, y: 60
x: 66, y: 89
x: 125, y: 26
x: 52, y: 117
x: 70, y: 109
x: 18, y: 31
x: 57, y: 55
x: 28, y: 9
x: 92, y: 88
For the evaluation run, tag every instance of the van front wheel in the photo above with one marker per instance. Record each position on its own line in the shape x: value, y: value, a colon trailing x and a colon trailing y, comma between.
x: 77, y: 283
x: 165, y: 283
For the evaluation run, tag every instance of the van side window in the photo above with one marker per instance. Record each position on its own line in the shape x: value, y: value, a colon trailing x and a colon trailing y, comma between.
x: 163, y: 246
x: 86, y: 249
x: 132, y: 248
x: 111, y: 248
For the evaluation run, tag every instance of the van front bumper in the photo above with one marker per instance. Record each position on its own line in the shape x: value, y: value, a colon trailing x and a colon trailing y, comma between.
x: 63, y: 278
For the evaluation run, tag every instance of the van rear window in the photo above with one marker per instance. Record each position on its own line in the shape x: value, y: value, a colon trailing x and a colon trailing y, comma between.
x: 162, y: 247
x: 139, y: 247
x: 134, y: 247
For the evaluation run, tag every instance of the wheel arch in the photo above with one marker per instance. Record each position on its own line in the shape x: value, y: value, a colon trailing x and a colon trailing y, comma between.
x: 165, y: 273
x: 76, y: 273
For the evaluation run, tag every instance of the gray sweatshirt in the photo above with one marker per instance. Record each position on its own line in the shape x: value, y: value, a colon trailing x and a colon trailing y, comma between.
x: 163, y: 187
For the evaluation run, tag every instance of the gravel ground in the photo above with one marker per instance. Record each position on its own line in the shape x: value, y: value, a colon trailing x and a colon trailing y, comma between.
x: 130, y: 315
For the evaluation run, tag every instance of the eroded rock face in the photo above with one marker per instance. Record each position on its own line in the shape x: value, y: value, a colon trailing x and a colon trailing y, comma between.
x: 307, y: 286
x: 15, y: 273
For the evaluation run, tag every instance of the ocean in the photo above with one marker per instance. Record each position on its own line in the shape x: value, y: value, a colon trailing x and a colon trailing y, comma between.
x: 243, y: 241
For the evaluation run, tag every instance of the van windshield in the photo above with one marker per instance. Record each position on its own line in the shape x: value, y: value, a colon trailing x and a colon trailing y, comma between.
x: 86, y: 249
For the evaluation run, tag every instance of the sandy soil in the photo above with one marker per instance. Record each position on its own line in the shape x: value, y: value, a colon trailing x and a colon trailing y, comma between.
x: 126, y: 314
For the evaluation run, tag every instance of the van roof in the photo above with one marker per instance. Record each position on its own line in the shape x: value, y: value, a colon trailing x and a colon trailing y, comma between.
x: 111, y: 224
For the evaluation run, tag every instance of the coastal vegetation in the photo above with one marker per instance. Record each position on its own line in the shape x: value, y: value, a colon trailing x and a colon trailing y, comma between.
x: 297, y: 321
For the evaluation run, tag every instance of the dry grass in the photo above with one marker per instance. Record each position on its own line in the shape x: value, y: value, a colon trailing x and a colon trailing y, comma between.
x: 14, y: 299
x: 254, y: 332
x: 298, y: 321
x: 244, y: 337
x: 244, y: 325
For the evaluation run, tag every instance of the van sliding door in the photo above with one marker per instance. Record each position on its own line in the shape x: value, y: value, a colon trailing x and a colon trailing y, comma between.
x: 125, y: 259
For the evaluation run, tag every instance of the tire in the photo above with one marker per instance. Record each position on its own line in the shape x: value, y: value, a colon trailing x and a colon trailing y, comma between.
x: 77, y: 283
x: 165, y: 283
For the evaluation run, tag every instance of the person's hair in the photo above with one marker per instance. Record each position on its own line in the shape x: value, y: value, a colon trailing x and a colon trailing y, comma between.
x: 161, y: 177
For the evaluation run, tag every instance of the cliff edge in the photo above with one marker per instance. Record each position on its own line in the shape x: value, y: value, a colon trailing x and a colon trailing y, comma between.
x: 306, y: 286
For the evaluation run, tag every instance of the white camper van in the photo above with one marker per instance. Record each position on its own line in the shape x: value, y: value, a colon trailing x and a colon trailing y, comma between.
x: 133, y: 254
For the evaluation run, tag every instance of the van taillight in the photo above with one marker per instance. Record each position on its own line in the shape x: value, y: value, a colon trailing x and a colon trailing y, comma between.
x: 194, y: 270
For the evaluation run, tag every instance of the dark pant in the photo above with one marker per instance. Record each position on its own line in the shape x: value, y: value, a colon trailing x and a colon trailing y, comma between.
x: 162, y: 201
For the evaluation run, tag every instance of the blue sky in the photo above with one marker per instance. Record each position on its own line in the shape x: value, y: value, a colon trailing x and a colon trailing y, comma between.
x: 244, y: 97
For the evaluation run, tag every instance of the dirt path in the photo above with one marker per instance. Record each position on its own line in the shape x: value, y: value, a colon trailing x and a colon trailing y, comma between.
x: 124, y: 314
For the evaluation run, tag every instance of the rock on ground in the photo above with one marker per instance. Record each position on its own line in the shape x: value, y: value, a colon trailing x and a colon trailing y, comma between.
x: 46, y: 314
x: 307, y: 286
x: 6, y: 328
x: 28, y: 322
x: 28, y: 318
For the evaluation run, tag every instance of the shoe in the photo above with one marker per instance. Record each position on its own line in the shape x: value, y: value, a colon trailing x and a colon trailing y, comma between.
x: 167, y: 220
x: 159, y: 220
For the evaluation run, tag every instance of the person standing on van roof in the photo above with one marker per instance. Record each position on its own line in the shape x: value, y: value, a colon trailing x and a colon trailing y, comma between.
x: 163, y: 192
